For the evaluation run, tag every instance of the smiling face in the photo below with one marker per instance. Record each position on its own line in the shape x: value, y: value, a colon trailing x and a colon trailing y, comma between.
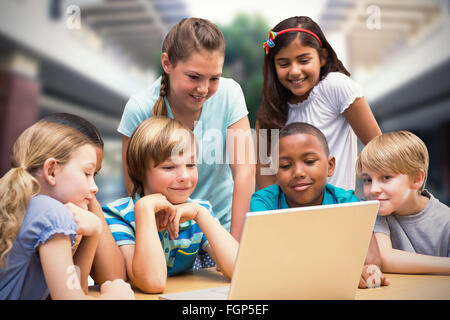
x: 175, y: 178
x: 303, y: 169
x: 298, y: 69
x: 193, y: 80
x: 394, y: 191
x: 74, y: 180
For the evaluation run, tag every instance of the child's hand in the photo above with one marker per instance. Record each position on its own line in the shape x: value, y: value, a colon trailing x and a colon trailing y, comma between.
x: 88, y: 224
x: 372, y: 277
x: 95, y: 207
x: 161, y: 207
x: 117, y: 289
x: 184, y: 212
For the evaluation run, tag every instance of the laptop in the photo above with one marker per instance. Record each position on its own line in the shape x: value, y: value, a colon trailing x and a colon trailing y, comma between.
x: 298, y: 253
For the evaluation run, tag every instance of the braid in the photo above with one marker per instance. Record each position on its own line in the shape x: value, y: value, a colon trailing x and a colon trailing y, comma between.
x: 164, y: 85
x: 160, y: 109
x: 187, y: 36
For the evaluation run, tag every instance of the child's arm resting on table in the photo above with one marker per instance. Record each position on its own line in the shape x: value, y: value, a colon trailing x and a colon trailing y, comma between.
x: 108, y: 260
x: 145, y: 261
x: 222, y: 245
x: 61, y: 276
x: 399, y: 261
x: 371, y: 275
x: 90, y: 229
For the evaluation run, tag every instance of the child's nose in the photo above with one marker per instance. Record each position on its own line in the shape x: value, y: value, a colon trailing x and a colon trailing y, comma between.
x: 375, y: 187
x: 183, y: 174
x: 203, y: 87
x: 299, y: 171
x: 94, y: 188
x: 296, y: 69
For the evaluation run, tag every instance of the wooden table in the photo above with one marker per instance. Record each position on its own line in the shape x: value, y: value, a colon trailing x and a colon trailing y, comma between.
x: 402, y: 287
x: 409, y: 287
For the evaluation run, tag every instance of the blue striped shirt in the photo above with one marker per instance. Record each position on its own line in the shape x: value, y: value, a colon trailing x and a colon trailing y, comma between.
x: 180, y: 253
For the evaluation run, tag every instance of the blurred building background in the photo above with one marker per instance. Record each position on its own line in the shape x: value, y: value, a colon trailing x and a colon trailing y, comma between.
x: 88, y: 56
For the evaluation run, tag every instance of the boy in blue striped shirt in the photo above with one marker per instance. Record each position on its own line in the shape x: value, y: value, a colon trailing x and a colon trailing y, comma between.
x: 160, y: 230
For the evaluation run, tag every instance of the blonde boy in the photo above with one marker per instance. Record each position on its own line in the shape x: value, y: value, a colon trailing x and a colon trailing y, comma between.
x: 412, y: 228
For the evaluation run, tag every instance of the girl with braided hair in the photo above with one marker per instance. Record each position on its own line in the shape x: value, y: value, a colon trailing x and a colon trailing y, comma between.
x: 192, y: 91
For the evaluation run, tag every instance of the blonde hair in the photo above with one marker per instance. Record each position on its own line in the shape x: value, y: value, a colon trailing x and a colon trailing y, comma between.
x: 189, y: 35
x: 36, y: 144
x: 399, y: 152
x: 153, y: 142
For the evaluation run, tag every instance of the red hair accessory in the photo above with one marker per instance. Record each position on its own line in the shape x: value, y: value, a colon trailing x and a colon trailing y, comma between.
x: 272, y: 35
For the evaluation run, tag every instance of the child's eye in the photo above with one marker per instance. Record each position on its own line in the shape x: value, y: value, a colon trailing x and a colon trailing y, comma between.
x: 283, y: 65
x: 285, y: 166
x: 193, y: 77
x: 215, y: 79
x: 385, y: 178
x: 191, y: 165
x: 367, y: 180
x: 310, y: 161
x: 168, y: 167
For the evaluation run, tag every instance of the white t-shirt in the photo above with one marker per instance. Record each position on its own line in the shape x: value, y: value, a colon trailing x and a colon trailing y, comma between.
x: 323, y: 109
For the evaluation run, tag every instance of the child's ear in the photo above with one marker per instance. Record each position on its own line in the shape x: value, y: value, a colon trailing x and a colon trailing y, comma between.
x: 417, y: 181
x: 50, y: 169
x: 323, y: 56
x: 165, y: 63
x: 331, y: 166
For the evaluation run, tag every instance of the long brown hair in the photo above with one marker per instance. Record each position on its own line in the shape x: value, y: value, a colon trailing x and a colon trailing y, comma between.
x: 274, y: 109
x: 189, y: 35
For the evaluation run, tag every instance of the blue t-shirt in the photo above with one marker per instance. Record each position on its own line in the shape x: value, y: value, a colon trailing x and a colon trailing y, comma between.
x: 180, y: 253
x: 272, y: 198
x: 224, y: 108
x: 23, y: 277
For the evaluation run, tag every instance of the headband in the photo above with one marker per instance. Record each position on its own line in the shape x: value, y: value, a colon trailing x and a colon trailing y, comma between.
x: 272, y: 35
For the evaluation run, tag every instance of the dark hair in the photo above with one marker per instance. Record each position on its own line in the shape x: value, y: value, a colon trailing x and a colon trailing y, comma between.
x: 80, y: 124
x: 187, y: 36
x: 305, y: 128
x: 274, y: 109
